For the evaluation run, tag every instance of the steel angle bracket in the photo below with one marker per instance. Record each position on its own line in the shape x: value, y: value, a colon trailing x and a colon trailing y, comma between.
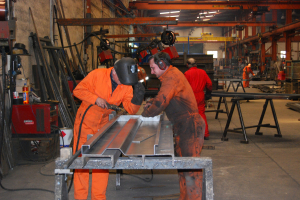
x: 93, y: 140
x: 112, y: 154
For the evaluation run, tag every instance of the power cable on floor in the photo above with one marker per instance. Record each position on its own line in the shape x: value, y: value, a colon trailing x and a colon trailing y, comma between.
x: 143, y: 179
x: 22, y: 189
x: 44, y: 166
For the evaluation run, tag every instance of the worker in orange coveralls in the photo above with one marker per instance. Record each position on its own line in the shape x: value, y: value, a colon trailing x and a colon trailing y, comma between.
x: 177, y: 99
x: 246, y: 72
x: 199, y: 81
x: 100, y: 88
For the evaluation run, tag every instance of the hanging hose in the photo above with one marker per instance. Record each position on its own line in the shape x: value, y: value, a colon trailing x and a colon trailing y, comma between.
x: 79, y: 132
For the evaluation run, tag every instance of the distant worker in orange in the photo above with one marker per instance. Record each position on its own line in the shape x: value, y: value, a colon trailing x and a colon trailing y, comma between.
x: 100, y: 88
x: 199, y: 81
x: 246, y: 71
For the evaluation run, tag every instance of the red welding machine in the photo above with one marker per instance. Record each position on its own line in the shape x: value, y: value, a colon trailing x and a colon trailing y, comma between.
x: 34, y: 118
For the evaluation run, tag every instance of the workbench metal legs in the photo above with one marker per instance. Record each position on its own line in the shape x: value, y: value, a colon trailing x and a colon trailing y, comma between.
x: 118, y: 179
x: 237, y: 103
x: 135, y: 163
x: 242, y: 122
x: 275, y: 119
x: 228, y: 122
x: 261, y: 118
x: 61, y: 189
x: 218, y: 108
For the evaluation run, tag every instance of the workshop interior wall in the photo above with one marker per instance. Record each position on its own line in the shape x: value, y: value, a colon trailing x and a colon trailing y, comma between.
x: 41, y: 14
x: 100, y: 10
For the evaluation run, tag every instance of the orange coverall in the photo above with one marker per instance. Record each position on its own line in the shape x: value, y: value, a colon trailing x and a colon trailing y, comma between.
x: 176, y: 98
x: 96, y: 84
x: 246, y: 72
x: 199, y: 80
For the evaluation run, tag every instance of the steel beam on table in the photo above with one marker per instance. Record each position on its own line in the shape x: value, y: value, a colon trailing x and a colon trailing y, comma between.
x: 135, y: 163
x: 245, y: 96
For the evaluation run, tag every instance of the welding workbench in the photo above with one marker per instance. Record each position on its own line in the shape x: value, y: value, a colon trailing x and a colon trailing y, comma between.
x: 237, y: 97
x: 146, y: 143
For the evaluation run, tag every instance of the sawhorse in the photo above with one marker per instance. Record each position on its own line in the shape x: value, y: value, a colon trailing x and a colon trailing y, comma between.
x: 236, y: 101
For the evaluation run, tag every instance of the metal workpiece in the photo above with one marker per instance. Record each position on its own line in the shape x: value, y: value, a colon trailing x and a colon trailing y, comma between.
x: 131, y: 135
x: 254, y: 95
x: 147, y: 143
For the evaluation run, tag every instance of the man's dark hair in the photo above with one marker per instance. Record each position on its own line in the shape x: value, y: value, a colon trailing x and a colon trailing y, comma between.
x: 162, y: 56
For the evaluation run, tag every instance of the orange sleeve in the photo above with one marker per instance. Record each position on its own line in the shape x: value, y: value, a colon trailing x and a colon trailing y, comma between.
x: 85, y: 90
x: 130, y: 107
x: 162, y: 100
x: 251, y: 72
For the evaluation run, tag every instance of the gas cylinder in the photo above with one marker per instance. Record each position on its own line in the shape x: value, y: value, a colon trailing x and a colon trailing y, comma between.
x: 25, y: 94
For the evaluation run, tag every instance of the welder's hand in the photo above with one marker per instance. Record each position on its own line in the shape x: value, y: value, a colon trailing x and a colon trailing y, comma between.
x: 138, y: 94
x: 101, y: 102
x: 147, y: 105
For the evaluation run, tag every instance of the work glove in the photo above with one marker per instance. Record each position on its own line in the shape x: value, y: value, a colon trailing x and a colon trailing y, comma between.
x: 138, y: 94
x: 207, y: 94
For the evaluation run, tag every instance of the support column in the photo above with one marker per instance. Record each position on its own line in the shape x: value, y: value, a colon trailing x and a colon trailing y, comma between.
x: 263, y: 19
x: 274, y: 48
x: 288, y: 46
x: 253, y: 27
x: 288, y: 18
x: 263, y: 52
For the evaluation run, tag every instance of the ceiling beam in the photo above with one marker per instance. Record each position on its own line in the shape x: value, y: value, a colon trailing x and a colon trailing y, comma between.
x: 212, y: 5
x: 118, y: 21
x: 136, y: 35
x: 220, y: 24
x: 278, y: 31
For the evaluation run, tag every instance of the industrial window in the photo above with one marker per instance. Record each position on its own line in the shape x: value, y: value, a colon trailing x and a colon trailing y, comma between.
x: 214, y: 53
x: 282, y: 54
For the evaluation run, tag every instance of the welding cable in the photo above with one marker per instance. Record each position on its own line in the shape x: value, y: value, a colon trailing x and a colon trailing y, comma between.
x: 79, y: 133
x: 44, y: 166
x: 143, y: 179
x: 14, y: 190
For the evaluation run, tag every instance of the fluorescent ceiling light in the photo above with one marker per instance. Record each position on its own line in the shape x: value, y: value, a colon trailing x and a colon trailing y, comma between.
x: 176, y: 19
x: 202, y: 16
x: 209, y: 15
x: 175, y: 11
x: 212, y: 12
x: 175, y: 16
x: 163, y: 13
x: 202, y: 13
x: 206, y: 19
x: 197, y: 17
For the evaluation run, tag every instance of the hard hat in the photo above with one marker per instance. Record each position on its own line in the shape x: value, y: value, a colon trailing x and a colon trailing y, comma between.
x: 127, y: 71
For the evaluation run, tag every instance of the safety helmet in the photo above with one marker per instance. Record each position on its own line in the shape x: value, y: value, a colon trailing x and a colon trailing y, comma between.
x: 127, y: 71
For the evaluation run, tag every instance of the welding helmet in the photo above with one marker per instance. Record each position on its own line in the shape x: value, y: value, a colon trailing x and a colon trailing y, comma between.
x: 127, y: 71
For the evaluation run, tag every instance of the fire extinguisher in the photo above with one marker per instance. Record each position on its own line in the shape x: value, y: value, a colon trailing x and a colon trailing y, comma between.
x: 25, y: 94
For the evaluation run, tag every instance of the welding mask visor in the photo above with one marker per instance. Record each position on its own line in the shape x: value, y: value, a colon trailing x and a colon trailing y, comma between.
x: 127, y: 71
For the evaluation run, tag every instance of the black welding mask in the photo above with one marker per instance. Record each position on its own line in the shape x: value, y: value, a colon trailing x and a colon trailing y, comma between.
x: 127, y: 71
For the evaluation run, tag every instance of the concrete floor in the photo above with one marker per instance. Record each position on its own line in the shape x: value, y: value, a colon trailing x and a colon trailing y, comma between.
x: 266, y: 168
